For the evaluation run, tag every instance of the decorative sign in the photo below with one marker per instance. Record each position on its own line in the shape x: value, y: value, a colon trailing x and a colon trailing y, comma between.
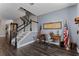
x: 52, y: 25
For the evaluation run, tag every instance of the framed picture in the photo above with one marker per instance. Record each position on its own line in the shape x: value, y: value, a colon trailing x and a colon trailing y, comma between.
x: 52, y: 25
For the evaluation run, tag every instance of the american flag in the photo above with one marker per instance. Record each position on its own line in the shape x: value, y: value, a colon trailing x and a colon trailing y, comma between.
x: 66, y: 37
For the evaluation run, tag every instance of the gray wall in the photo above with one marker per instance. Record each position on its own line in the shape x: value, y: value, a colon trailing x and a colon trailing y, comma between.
x: 68, y: 13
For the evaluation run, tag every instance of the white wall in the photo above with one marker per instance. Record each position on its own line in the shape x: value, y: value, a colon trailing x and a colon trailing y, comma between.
x: 2, y: 28
x: 34, y: 25
x: 3, y: 25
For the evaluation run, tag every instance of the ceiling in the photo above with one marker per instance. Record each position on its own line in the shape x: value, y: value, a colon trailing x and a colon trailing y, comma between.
x: 43, y: 8
x: 11, y: 10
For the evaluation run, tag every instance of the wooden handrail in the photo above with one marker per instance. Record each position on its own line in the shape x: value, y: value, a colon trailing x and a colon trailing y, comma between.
x: 20, y: 25
x: 23, y: 27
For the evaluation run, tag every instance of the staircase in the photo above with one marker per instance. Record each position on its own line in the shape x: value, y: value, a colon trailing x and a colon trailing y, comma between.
x: 24, y: 39
x: 19, y: 35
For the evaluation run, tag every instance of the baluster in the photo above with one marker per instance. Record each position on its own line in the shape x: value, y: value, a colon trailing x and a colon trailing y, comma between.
x: 16, y: 35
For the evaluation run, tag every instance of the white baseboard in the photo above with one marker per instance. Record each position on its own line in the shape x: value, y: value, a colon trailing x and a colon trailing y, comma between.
x: 19, y: 46
x: 2, y: 35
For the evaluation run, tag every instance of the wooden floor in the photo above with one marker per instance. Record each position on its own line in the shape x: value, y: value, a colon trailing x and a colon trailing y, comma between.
x: 34, y: 49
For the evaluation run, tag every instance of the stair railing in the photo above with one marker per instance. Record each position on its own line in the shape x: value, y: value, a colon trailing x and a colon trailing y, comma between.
x: 16, y: 29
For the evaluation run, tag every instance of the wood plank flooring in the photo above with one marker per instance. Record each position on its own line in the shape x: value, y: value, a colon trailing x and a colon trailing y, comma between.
x: 34, y: 49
